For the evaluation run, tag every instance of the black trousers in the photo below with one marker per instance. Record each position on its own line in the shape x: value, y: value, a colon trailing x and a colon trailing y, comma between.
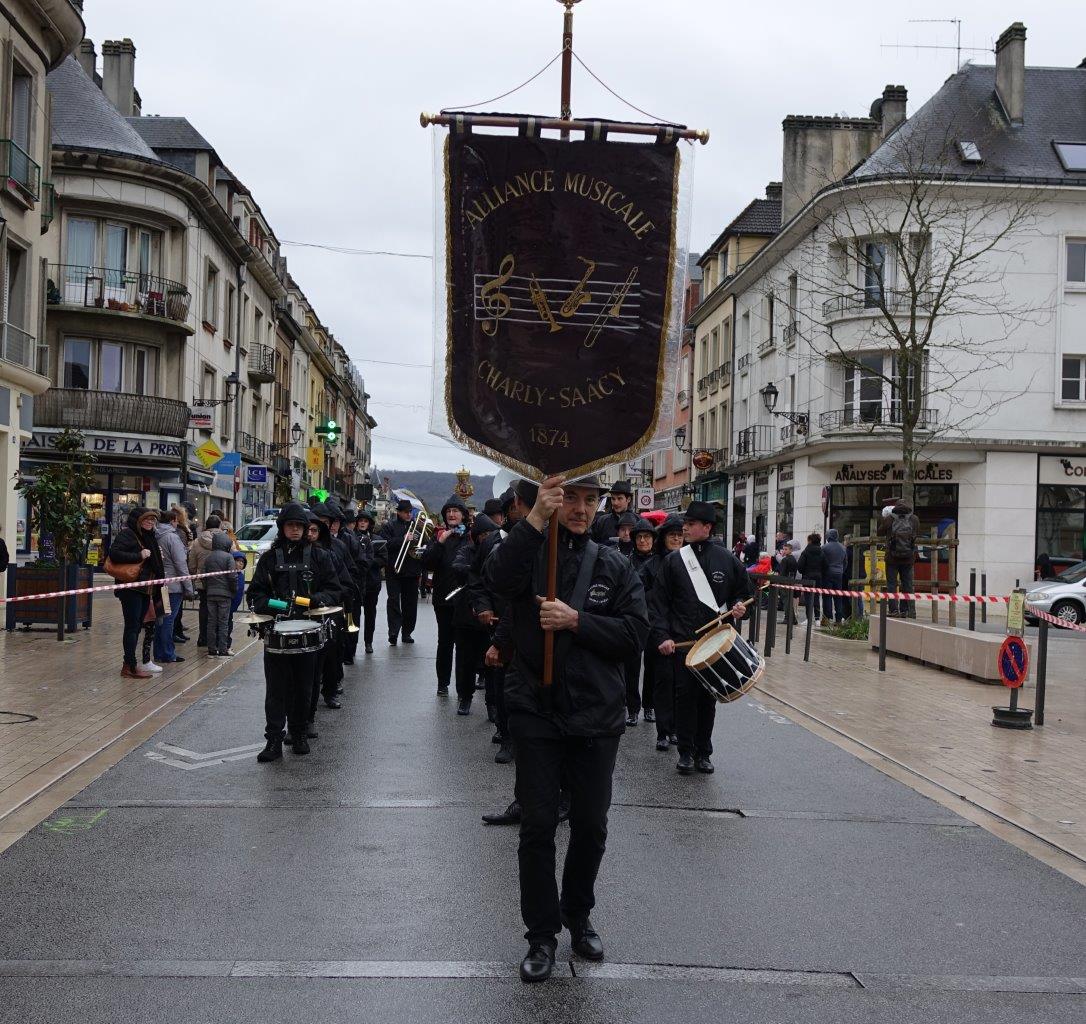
x: 471, y: 645
x: 695, y: 713
x: 331, y: 672
x: 288, y: 679
x: 544, y: 758
x: 495, y: 694
x: 663, y: 691
x: 446, y: 641
x: 402, y: 606
x: 201, y: 636
x: 633, y: 685
x: 369, y: 614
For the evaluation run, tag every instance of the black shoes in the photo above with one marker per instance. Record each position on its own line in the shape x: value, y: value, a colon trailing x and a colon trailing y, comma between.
x: 650, y: 715
x: 704, y: 765
x: 369, y: 648
x: 443, y: 690
x: 334, y: 704
x: 510, y: 816
x: 663, y: 743
x: 491, y: 714
x: 464, y: 707
x: 348, y: 661
x: 273, y: 751
x: 504, y: 754
x: 300, y: 745
x: 538, y: 964
x: 391, y: 641
x: 497, y: 737
x: 408, y: 640
x: 311, y: 732
x: 631, y: 719
x: 584, y: 939
x: 685, y: 765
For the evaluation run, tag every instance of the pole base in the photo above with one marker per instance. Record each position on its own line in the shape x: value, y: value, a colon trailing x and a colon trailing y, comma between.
x: 1012, y: 718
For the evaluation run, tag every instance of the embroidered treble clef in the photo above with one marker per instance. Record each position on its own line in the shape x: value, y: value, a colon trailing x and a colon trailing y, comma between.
x: 494, y: 301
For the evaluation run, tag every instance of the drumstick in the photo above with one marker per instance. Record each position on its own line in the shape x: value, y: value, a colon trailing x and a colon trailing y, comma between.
x: 722, y: 616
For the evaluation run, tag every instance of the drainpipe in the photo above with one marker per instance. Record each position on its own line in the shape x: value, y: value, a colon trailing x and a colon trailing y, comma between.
x: 238, y: 305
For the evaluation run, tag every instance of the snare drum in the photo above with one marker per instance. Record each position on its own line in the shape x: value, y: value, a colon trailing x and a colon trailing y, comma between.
x: 725, y: 664
x: 294, y: 636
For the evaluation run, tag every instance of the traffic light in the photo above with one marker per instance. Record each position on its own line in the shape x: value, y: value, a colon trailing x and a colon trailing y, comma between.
x: 331, y: 431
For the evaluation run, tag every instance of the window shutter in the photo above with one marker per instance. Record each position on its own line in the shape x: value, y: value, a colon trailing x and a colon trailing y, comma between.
x: 7, y: 73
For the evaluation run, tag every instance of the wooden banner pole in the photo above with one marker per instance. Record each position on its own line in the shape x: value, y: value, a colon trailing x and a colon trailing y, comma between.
x: 552, y: 593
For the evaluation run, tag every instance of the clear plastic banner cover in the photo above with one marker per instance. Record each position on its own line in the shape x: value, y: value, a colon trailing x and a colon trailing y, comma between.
x: 559, y: 278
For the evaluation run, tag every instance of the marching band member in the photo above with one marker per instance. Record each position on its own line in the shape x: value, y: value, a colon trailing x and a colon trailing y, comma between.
x: 605, y: 527
x: 320, y: 533
x: 402, y: 604
x: 642, y: 534
x: 598, y: 618
x: 360, y: 559
x: 290, y: 567
x: 472, y: 636
x: 692, y: 585
x: 438, y: 557
x: 659, y: 670
x: 367, y: 520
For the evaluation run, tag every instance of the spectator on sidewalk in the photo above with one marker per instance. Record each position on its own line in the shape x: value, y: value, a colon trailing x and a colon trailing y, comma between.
x: 836, y: 557
x: 136, y: 543
x: 219, y: 594
x: 900, y: 527
x: 4, y: 557
x: 198, y: 555
x: 239, y: 595
x: 186, y: 535
x: 812, y: 567
x: 175, y: 563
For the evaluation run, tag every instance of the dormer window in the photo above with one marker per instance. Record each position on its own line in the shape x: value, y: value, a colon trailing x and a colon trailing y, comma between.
x: 1072, y: 155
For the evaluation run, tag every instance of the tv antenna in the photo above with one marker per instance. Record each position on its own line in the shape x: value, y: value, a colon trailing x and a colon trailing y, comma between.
x: 957, y: 47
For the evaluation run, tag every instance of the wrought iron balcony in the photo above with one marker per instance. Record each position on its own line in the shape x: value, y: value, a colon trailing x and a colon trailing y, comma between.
x: 868, y: 417
x: 117, y: 290
x: 791, y: 332
x: 714, y: 381
x: 252, y: 447
x: 744, y: 362
x: 280, y: 465
x: 754, y: 442
x: 261, y: 363
x: 869, y: 302
x: 725, y: 372
x: 703, y: 386
x: 111, y: 411
x: 48, y: 205
x: 22, y: 174
x: 766, y: 346
x: 18, y: 346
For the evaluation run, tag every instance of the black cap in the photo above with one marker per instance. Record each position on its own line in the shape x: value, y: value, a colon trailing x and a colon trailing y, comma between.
x: 492, y: 507
x: 483, y: 525
x: 506, y: 498
x: 403, y: 505
x: 628, y: 519
x: 643, y: 526
x: 526, y: 491
x: 292, y: 512
x: 702, y: 511
x: 622, y: 487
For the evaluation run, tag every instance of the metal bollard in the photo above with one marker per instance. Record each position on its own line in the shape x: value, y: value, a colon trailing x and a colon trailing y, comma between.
x: 789, y: 618
x: 972, y: 605
x: 807, y: 638
x: 755, y: 619
x: 984, y: 593
x: 771, y: 621
x: 1042, y: 672
x: 882, y: 635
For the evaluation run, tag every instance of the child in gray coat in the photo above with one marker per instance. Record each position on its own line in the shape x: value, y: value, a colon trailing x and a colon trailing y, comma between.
x: 220, y: 595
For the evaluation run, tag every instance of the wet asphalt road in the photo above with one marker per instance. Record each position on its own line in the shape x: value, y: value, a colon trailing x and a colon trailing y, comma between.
x: 358, y: 884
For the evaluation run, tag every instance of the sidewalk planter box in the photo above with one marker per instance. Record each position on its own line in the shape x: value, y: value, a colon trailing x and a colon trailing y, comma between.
x: 957, y: 650
x: 24, y: 580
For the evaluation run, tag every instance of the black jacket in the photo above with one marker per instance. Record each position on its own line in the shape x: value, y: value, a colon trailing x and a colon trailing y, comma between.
x: 128, y: 544
x: 269, y: 581
x: 438, y: 558
x: 393, y: 533
x: 373, y: 556
x: 605, y: 527
x: 812, y: 561
x: 589, y: 691
x: 676, y: 611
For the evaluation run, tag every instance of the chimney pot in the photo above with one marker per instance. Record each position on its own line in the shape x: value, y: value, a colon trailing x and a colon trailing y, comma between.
x: 774, y: 190
x: 1011, y: 72
x: 119, y: 75
x: 891, y: 108
x: 87, y: 57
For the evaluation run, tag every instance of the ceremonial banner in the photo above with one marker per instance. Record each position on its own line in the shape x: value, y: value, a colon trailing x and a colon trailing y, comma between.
x: 559, y: 323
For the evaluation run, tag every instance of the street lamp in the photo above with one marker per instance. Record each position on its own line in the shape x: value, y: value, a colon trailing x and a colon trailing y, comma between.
x: 296, y: 433
x: 232, y: 382
x: 680, y: 439
x: 800, y: 420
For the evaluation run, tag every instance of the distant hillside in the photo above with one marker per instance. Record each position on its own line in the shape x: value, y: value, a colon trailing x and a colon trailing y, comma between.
x: 433, y: 488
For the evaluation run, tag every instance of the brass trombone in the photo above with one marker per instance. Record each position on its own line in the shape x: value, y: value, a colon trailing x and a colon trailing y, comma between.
x: 414, y: 538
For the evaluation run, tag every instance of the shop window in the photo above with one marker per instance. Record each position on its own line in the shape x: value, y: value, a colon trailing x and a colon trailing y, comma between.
x: 1061, y: 522
x: 785, y: 510
x: 1074, y: 379
x: 739, y: 516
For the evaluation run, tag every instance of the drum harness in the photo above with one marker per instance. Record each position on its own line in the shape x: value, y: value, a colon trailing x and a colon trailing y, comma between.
x: 702, y: 590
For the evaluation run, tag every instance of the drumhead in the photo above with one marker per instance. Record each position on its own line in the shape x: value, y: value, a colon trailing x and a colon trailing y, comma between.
x: 711, y: 647
x: 295, y: 626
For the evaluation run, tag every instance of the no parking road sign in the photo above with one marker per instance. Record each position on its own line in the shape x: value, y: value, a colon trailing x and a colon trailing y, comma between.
x: 1013, y: 661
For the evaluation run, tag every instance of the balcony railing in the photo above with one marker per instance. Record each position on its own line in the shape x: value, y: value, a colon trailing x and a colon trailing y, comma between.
x: 743, y: 363
x: 280, y: 465
x: 683, y: 398
x: 714, y: 381
x: 22, y: 174
x: 725, y: 372
x: 118, y: 290
x: 703, y: 386
x: 754, y: 442
x: 791, y: 332
x: 261, y: 363
x: 17, y: 346
x: 48, y: 205
x: 252, y: 446
x: 111, y: 411
x: 766, y: 346
x: 866, y: 417
x: 869, y: 302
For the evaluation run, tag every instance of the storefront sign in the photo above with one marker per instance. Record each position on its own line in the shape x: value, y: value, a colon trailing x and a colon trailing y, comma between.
x: 787, y: 473
x: 761, y: 481
x: 314, y: 458
x: 111, y: 444
x: 228, y: 464
x: 741, y: 484
x: 256, y: 475
x: 891, y: 472
x: 1070, y: 471
x: 209, y: 453
x: 702, y: 459
x: 201, y: 419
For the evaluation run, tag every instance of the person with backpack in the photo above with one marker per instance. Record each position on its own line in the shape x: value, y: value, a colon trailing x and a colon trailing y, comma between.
x: 812, y: 568
x: 900, y: 527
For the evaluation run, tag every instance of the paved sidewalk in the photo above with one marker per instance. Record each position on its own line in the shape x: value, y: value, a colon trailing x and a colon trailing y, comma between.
x: 938, y: 726
x: 64, y: 705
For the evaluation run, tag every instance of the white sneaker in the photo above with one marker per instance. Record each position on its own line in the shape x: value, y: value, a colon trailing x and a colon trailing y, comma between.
x: 150, y: 666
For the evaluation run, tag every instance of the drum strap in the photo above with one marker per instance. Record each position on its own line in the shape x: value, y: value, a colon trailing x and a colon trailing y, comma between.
x: 293, y: 570
x: 697, y: 578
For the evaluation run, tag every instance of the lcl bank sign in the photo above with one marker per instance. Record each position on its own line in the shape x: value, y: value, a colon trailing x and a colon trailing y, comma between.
x: 1063, y: 469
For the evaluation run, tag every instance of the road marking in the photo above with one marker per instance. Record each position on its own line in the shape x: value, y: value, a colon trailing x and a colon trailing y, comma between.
x: 69, y: 825
x: 194, y: 760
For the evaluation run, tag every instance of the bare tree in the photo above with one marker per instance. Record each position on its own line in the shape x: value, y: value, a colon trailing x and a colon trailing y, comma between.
x: 908, y: 269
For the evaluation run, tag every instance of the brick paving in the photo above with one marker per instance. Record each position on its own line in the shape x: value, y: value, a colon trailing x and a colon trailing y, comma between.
x: 938, y: 726
x: 82, y: 707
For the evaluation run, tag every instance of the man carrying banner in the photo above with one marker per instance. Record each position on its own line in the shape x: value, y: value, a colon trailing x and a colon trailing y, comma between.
x: 599, y: 619
x: 693, y: 586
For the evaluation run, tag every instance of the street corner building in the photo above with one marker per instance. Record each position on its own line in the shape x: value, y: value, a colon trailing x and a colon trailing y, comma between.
x: 800, y: 395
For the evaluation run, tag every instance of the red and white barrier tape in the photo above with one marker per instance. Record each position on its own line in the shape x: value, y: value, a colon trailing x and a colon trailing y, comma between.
x: 1052, y: 618
x: 116, y: 586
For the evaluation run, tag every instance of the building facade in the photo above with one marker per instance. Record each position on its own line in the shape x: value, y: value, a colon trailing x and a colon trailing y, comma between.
x: 1003, y: 457
x: 35, y: 38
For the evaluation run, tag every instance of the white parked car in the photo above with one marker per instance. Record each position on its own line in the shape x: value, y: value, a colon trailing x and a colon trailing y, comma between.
x: 254, y: 539
x: 1064, y: 597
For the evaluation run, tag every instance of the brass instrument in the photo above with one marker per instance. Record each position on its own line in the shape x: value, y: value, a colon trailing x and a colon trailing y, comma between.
x: 580, y: 294
x: 414, y: 538
x: 352, y: 626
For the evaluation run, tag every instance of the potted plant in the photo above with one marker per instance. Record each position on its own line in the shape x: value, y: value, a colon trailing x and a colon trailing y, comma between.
x: 58, y: 515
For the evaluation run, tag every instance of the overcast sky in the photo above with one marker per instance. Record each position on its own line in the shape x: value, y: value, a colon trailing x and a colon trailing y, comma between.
x: 315, y: 107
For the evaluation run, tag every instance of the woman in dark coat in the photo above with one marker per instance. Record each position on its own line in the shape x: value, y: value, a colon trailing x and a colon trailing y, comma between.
x: 669, y: 537
x: 137, y: 543
x: 812, y: 567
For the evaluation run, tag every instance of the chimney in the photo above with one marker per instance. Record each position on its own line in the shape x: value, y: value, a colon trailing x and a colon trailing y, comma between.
x: 119, y: 75
x: 819, y: 151
x: 892, y: 110
x: 773, y: 190
x: 1011, y: 72
x: 88, y: 57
